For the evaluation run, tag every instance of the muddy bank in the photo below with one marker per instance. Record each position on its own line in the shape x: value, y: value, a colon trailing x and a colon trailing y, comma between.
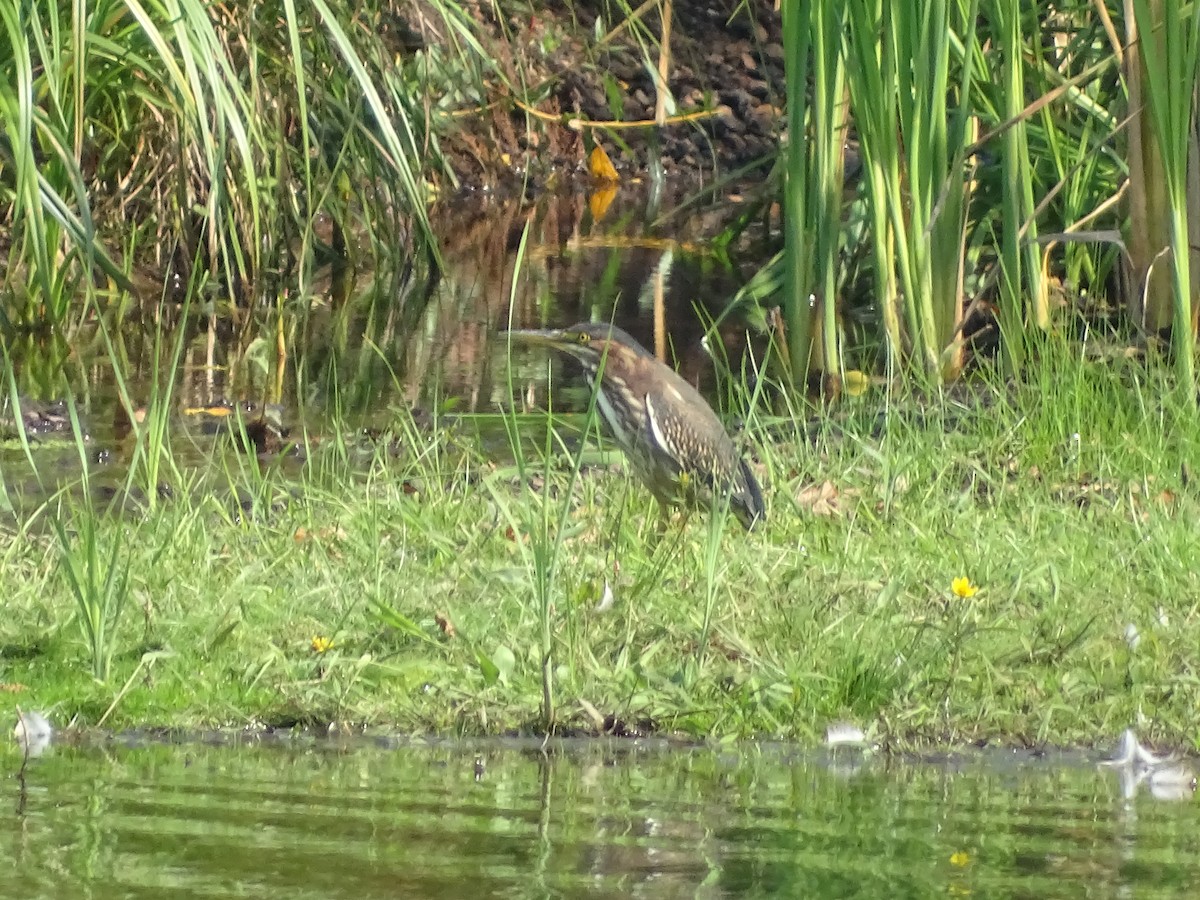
x: 725, y: 75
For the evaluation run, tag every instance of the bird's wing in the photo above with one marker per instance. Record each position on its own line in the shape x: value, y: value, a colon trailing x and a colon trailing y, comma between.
x: 661, y: 431
x: 675, y: 436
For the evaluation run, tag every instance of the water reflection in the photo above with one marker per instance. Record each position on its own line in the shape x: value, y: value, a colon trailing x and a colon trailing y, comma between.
x: 594, y: 818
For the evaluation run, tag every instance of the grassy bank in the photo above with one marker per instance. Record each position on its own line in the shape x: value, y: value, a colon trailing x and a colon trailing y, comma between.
x: 405, y: 596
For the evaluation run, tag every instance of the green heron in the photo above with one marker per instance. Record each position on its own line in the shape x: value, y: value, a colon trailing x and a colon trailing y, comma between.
x: 673, y: 440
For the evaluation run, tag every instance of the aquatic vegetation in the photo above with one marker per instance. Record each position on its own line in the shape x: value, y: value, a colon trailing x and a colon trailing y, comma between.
x: 938, y: 213
x: 163, y: 144
x: 986, y: 208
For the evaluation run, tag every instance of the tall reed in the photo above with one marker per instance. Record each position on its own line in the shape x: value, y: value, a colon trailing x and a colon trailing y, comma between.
x: 813, y: 182
x: 1021, y: 273
x: 924, y: 55
x: 207, y: 129
x: 1164, y: 69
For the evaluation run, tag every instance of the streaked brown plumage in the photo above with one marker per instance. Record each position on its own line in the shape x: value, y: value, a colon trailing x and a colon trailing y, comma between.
x: 673, y: 440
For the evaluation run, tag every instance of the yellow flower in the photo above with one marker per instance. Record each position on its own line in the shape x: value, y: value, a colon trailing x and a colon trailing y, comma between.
x: 961, y: 858
x: 320, y: 644
x: 962, y: 587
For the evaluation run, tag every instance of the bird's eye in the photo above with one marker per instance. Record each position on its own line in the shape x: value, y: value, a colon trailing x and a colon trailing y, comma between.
x: 584, y: 337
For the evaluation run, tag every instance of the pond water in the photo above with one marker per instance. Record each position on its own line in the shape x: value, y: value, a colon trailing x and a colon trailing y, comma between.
x: 364, y: 819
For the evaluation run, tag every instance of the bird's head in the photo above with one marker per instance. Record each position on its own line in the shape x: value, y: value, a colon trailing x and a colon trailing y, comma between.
x: 591, y: 343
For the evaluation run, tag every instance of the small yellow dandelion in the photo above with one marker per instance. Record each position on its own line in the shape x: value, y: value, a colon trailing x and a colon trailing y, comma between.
x: 320, y: 644
x: 960, y: 859
x: 962, y: 587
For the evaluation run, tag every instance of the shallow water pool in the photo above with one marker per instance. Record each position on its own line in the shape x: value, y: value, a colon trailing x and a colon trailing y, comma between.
x: 384, y: 818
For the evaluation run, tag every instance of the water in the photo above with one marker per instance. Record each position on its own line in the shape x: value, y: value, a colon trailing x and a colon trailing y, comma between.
x: 624, y: 819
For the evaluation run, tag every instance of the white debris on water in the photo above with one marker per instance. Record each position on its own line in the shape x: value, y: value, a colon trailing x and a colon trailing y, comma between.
x: 845, y: 734
x: 1165, y: 776
x: 33, y: 732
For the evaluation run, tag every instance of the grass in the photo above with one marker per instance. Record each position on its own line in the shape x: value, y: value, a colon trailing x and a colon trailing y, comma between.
x: 350, y: 598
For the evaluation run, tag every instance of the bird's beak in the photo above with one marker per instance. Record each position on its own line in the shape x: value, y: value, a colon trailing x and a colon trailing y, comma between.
x: 551, y: 338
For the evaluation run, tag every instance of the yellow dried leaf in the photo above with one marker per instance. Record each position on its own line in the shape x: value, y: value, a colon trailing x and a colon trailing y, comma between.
x: 600, y: 167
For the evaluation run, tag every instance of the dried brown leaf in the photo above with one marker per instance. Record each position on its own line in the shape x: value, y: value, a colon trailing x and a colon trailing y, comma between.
x: 820, y: 499
x: 330, y: 534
